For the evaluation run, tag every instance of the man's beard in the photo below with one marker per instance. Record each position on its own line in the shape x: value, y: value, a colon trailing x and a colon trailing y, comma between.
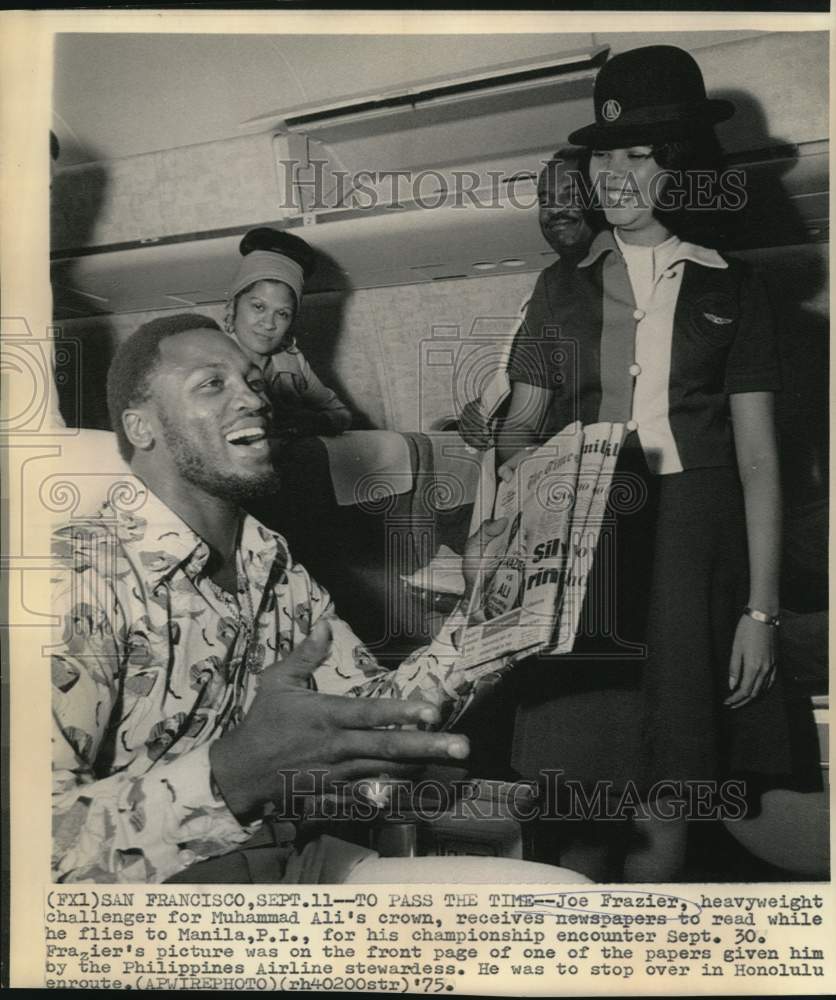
x: 192, y: 466
x: 573, y: 237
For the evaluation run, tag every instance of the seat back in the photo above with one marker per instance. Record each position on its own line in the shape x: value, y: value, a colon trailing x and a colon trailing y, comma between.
x: 362, y: 551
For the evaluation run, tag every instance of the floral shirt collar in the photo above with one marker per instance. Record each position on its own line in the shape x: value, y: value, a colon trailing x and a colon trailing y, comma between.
x: 159, y: 541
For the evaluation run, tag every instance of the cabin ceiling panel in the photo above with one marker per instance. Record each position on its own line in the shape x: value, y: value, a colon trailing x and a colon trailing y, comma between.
x: 118, y: 95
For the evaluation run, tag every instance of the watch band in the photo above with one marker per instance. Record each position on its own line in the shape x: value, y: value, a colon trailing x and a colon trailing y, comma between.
x: 763, y: 617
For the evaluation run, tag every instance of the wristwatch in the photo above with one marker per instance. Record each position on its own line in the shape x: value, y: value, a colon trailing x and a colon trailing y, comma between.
x: 763, y: 617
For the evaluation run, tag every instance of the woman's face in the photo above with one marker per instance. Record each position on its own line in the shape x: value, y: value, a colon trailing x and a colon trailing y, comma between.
x: 263, y: 315
x: 629, y: 182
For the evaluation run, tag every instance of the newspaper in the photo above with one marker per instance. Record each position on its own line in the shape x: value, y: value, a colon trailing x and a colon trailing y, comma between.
x: 600, y: 454
x: 534, y: 574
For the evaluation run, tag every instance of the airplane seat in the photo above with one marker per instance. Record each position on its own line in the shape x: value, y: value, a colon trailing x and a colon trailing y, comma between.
x: 84, y: 470
x: 360, y: 538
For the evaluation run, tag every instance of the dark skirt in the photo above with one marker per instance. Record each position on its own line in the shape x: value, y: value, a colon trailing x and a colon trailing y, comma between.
x: 639, y: 700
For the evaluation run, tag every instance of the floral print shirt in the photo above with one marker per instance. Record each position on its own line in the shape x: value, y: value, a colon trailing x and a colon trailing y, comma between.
x: 154, y: 661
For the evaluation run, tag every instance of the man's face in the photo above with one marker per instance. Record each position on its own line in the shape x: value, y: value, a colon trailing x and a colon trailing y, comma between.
x: 211, y: 415
x: 561, y: 213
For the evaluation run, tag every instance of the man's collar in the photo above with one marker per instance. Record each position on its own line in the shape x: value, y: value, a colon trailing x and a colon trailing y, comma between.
x: 162, y: 541
x: 605, y: 241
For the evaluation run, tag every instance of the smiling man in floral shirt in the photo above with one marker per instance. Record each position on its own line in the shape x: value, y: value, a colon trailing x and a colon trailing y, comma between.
x: 196, y: 661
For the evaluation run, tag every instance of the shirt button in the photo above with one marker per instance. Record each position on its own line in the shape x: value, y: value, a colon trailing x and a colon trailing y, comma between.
x: 639, y: 314
x: 635, y: 370
x: 631, y: 425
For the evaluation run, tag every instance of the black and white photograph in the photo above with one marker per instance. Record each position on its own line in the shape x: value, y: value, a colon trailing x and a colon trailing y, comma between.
x: 417, y: 447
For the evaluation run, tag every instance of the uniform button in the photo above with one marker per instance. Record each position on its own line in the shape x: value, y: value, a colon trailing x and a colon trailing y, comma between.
x: 631, y: 425
x: 635, y: 370
x: 639, y: 314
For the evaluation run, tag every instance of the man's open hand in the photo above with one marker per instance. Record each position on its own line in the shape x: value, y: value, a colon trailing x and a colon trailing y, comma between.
x: 292, y: 728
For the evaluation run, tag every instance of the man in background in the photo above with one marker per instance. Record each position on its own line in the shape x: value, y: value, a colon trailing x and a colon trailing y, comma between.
x: 567, y: 228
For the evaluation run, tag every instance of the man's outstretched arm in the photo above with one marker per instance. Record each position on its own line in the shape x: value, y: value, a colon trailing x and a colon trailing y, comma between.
x: 432, y: 673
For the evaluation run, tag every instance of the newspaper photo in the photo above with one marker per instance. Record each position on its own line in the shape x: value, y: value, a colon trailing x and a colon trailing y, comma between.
x: 535, y: 572
x: 414, y: 454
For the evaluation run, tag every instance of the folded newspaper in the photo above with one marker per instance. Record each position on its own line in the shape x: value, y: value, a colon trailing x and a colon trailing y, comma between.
x: 533, y: 579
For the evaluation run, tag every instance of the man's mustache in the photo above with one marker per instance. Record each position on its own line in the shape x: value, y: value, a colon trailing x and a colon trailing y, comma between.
x: 569, y: 215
